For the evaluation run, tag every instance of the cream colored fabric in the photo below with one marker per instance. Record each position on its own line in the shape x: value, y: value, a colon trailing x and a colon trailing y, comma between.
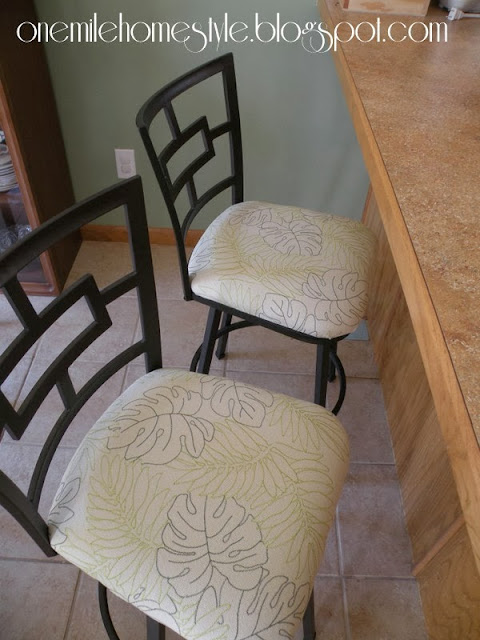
x: 301, y: 269
x: 204, y: 502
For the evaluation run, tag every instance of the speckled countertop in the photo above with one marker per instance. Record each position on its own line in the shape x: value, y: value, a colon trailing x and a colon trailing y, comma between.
x: 422, y: 102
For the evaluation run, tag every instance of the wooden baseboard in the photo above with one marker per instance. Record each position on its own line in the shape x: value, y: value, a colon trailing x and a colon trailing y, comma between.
x: 158, y: 235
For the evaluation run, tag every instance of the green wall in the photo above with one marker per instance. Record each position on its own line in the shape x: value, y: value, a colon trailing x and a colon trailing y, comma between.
x: 299, y: 144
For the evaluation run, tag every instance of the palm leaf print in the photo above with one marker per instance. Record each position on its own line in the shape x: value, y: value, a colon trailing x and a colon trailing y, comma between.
x: 125, y: 522
x: 303, y: 426
x: 238, y: 462
x: 208, y: 540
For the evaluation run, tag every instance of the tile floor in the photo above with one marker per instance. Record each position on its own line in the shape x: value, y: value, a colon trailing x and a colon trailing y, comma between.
x: 364, y: 590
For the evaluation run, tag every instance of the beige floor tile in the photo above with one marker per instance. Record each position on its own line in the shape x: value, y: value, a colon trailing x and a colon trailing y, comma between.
x: 17, y: 461
x: 372, y: 527
x: 36, y: 599
x: 52, y: 407
x: 260, y: 349
x: 14, y: 383
x: 168, y: 281
x: 357, y: 358
x: 10, y: 325
x: 384, y: 609
x: 363, y: 416
x: 329, y: 612
x: 106, y: 261
x: 182, y: 325
x: 124, y: 315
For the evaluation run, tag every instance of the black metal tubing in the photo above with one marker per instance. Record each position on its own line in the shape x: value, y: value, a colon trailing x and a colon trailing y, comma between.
x: 162, y: 102
x: 128, y: 194
x: 209, y: 339
x: 331, y: 372
x: 155, y: 630
x: 220, y: 334
x: 321, y: 373
x: 105, y: 613
x: 338, y: 366
x: 309, y: 620
x: 222, y: 343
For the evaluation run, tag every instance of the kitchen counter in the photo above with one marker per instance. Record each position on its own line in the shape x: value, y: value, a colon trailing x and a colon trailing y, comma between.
x: 416, y: 112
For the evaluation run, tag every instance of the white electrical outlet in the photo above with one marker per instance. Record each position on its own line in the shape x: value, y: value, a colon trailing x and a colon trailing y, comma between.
x: 125, y: 161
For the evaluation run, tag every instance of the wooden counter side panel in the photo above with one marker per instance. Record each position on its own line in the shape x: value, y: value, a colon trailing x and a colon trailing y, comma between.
x: 450, y: 590
x: 429, y: 493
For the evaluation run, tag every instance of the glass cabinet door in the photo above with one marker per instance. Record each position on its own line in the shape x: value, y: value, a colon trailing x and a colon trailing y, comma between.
x: 14, y: 223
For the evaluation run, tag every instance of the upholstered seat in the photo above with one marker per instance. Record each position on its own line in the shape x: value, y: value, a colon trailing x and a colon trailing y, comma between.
x: 300, y: 269
x: 204, y: 502
x: 301, y: 273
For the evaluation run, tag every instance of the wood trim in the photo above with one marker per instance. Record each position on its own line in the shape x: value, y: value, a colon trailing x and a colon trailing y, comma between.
x: 118, y: 233
x: 438, y: 546
x: 450, y: 590
x: 429, y: 491
x: 455, y: 421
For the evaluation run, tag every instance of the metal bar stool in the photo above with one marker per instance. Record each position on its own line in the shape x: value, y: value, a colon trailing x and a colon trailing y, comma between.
x: 298, y: 272
x: 204, y: 502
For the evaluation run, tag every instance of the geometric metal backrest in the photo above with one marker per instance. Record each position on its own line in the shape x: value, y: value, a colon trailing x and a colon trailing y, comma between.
x: 128, y: 194
x: 171, y: 188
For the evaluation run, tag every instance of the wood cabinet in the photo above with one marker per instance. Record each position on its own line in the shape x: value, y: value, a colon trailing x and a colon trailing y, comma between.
x: 444, y: 560
x: 396, y: 7
x: 28, y: 117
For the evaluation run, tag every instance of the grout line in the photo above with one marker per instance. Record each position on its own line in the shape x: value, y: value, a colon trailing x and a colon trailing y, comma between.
x: 46, y: 560
x: 366, y: 576
x: 346, y: 616
x: 341, y: 565
x: 373, y: 464
x: 72, y: 606
x: 19, y: 443
x: 20, y: 388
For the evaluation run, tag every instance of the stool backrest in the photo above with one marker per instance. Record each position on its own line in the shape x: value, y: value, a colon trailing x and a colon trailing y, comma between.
x: 162, y: 102
x: 15, y: 420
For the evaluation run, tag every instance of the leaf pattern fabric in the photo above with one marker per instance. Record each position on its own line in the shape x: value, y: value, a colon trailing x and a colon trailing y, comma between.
x: 205, y: 502
x: 301, y: 269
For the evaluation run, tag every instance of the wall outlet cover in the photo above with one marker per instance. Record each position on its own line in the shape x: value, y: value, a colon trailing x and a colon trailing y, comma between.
x: 125, y: 161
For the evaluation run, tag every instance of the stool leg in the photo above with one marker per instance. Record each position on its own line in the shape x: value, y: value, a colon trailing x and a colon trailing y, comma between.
x: 332, y: 371
x: 321, y: 374
x: 105, y: 613
x: 209, y: 340
x: 309, y: 620
x: 155, y: 630
x: 222, y: 342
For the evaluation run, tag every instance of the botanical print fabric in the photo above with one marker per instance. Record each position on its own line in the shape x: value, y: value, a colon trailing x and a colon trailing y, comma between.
x: 205, y: 502
x: 301, y: 269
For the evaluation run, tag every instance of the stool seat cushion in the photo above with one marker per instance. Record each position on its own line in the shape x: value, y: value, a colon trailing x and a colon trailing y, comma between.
x: 301, y: 269
x: 204, y: 502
